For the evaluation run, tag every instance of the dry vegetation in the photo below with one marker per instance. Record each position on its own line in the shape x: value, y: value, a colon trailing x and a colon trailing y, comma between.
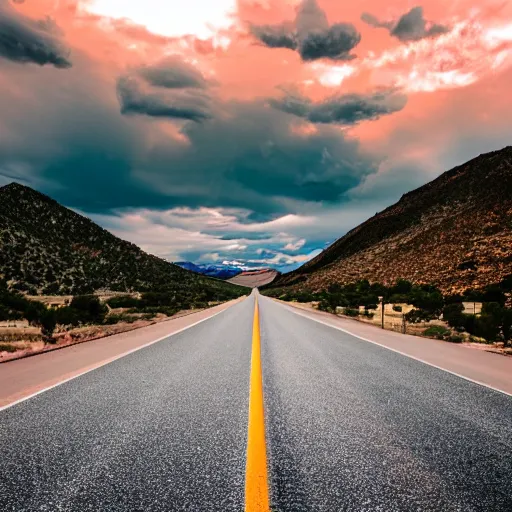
x: 454, y: 233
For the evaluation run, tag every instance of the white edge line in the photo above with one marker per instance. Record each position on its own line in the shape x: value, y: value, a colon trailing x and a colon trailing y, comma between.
x: 294, y: 310
x: 111, y: 360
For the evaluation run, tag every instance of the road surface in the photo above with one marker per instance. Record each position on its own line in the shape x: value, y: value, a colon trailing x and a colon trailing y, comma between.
x: 348, y: 426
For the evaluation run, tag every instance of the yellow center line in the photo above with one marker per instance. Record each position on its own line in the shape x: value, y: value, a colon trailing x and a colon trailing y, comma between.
x: 256, y: 478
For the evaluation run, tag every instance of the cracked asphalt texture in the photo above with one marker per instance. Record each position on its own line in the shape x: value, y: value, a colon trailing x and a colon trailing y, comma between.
x: 351, y: 426
x: 162, y: 429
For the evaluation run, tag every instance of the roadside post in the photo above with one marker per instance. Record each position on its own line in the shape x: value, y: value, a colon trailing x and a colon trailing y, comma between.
x: 381, y: 299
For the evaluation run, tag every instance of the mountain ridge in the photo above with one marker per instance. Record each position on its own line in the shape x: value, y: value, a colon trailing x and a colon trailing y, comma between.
x: 454, y: 231
x: 46, y: 248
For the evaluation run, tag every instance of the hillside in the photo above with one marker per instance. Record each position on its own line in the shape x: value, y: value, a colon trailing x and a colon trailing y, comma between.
x: 454, y: 232
x: 255, y: 278
x: 48, y: 249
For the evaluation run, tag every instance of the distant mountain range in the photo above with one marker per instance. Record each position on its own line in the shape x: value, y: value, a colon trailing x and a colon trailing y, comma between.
x: 48, y: 249
x: 218, y: 271
x: 454, y: 232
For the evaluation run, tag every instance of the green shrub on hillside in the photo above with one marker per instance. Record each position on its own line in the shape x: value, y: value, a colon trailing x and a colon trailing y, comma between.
x: 123, y: 301
x: 7, y: 347
x: 455, y: 338
x: 90, y: 309
x: 436, y: 331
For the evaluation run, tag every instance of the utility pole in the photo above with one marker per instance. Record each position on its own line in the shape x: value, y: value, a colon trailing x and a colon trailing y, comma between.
x: 382, y: 308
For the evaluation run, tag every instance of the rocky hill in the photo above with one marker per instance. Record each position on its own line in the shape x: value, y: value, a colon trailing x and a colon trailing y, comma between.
x: 255, y: 278
x: 454, y: 232
x: 48, y: 249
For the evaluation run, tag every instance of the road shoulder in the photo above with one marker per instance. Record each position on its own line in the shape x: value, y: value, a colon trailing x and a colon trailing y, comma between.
x: 488, y: 369
x: 23, y: 378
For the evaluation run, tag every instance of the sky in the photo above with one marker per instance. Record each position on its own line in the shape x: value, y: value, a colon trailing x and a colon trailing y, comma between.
x: 255, y: 131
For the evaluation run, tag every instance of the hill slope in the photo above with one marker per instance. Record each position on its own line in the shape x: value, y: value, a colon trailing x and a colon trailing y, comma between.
x: 255, y: 278
x: 48, y: 249
x: 455, y: 232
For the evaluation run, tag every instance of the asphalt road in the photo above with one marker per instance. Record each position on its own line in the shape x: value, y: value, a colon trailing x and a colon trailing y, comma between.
x: 162, y: 429
x: 350, y: 426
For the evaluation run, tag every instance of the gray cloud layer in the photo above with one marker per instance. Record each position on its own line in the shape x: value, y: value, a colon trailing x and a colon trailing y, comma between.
x: 412, y: 26
x: 173, y: 73
x: 25, y: 40
x: 171, y: 88
x: 343, y: 109
x: 310, y: 35
x: 245, y: 158
x: 176, y: 104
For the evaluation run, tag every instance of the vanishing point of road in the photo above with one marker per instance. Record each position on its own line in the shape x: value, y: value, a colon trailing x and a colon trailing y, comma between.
x: 261, y: 407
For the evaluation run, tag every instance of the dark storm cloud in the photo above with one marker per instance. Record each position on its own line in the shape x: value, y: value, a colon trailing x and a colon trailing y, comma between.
x: 245, y: 158
x: 412, y: 26
x: 276, y: 36
x: 187, y: 104
x: 251, y: 159
x: 173, y: 73
x: 373, y: 21
x: 311, y: 35
x: 25, y: 40
x: 237, y: 235
x: 170, y: 88
x: 335, y: 43
x: 343, y: 109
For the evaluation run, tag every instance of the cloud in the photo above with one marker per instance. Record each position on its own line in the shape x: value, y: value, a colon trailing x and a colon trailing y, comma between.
x: 411, y: 26
x: 191, y: 234
x: 171, y: 88
x: 470, y: 52
x: 245, y: 156
x: 276, y: 36
x: 253, y: 181
x: 295, y: 246
x: 310, y: 34
x: 173, y: 73
x: 176, y: 104
x: 25, y: 40
x: 343, y: 109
